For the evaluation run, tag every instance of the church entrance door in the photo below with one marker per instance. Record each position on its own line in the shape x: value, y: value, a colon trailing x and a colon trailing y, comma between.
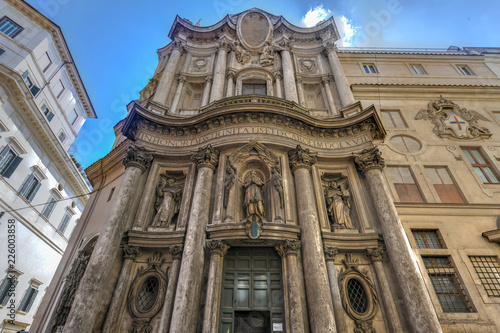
x: 252, y: 292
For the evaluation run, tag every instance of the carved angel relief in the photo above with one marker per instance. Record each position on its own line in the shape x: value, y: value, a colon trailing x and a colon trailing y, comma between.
x: 451, y: 120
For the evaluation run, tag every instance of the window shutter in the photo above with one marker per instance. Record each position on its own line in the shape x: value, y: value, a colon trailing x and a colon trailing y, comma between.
x: 34, y: 90
x: 33, y: 193
x: 4, y: 152
x: 50, y: 116
x: 12, y: 167
x: 33, y: 294
x: 25, y: 186
x: 25, y: 74
x: 7, y: 297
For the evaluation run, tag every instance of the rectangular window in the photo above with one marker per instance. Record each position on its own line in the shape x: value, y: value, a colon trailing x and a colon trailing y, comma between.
x: 6, y: 289
x: 417, y: 69
x: 444, y: 185
x: 44, y: 61
x: 447, y: 286
x: 393, y: 119
x: 488, y: 270
x: 58, y: 88
x: 30, y: 187
x: 33, y: 89
x: 370, y: 68
x: 254, y: 89
x: 28, y: 299
x: 405, y: 185
x: 73, y: 116
x: 464, y: 70
x: 64, y: 222
x: 481, y: 165
x: 47, y: 113
x: 50, y: 207
x: 9, y: 27
x: 62, y: 137
x: 427, y: 239
x: 9, y: 161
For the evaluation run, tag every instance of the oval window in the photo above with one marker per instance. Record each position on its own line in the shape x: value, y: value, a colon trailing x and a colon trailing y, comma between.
x: 405, y: 144
x: 148, y: 294
x: 358, y: 299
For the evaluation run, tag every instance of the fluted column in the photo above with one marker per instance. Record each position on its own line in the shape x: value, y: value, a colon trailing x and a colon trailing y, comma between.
x: 167, y: 77
x: 220, y: 71
x: 319, y: 298
x: 218, y: 250
x: 174, y: 108
x: 345, y: 93
x: 332, y: 110
x: 187, y: 296
x: 376, y: 256
x: 338, y: 310
x: 278, y: 76
x: 89, y: 294
x: 130, y: 254
x: 206, y: 91
x: 230, y: 84
x: 420, y: 311
x: 288, y: 74
x: 173, y: 276
x: 288, y: 251
x: 300, y: 90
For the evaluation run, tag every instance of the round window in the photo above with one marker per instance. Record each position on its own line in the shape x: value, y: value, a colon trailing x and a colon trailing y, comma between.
x: 358, y: 299
x: 148, y: 294
x: 406, y: 144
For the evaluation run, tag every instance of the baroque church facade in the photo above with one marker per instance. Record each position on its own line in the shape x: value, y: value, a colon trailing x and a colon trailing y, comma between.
x: 268, y: 181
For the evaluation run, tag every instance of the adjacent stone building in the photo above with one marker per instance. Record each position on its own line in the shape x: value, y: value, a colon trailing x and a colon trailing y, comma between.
x: 43, y: 105
x: 268, y: 181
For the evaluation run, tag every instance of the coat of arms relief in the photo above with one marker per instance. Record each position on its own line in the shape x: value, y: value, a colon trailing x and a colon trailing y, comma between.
x: 450, y: 120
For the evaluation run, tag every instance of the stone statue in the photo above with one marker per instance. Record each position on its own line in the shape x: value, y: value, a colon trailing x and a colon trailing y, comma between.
x: 168, y: 199
x: 267, y: 55
x: 242, y: 55
x: 277, y: 182
x: 337, y: 205
x: 254, y: 202
x: 228, y: 182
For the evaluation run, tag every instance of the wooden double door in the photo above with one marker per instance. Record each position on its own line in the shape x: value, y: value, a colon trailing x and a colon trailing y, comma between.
x: 252, y: 292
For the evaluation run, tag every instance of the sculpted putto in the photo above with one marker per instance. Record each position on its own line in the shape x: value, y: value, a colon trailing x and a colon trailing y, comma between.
x: 267, y: 55
x: 254, y: 202
x: 338, y: 207
x: 168, y: 199
x: 242, y: 55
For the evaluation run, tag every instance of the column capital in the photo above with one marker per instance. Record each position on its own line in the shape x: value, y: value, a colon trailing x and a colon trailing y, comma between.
x: 181, y: 78
x: 301, y: 158
x: 207, y: 157
x: 137, y: 157
x: 224, y: 45
x: 285, y: 45
x: 369, y: 159
x: 178, y: 44
x: 330, y: 252
x: 298, y: 78
x: 288, y: 248
x: 325, y: 80
x: 278, y: 74
x: 217, y: 247
x: 230, y: 74
x: 176, y: 251
x: 375, y: 254
x: 131, y: 252
x: 330, y: 46
x: 209, y: 78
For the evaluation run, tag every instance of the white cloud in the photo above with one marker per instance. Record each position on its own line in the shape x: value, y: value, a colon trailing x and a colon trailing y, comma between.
x: 346, y: 30
x: 315, y: 15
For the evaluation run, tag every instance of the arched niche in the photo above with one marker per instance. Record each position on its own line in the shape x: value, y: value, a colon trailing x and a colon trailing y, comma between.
x: 253, y: 76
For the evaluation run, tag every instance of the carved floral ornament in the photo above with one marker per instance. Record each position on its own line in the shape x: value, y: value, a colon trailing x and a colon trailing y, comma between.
x: 216, y: 246
x: 369, y: 159
x: 288, y: 247
x: 451, y: 120
x: 207, y: 157
x: 301, y: 158
x: 137, y: 157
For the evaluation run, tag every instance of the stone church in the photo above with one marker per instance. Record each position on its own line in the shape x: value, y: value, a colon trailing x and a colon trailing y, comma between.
x: 268, y: 181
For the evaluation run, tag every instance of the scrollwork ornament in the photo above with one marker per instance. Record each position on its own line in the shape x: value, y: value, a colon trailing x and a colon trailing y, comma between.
x: 301, y: 158
x: 375, y: 254
x: 140, y: 325
x: 330, y: 252
x: 216, y: 246
x: 288, y: 247
x: 138, y: 157
x: 207, y: 157
x: 369, y: 159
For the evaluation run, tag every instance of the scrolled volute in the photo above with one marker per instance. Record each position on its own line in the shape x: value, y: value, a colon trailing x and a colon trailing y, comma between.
x: 137, y: 157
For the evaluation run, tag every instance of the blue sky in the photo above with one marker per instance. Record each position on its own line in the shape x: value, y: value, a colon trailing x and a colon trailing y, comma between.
x: 114, y: 43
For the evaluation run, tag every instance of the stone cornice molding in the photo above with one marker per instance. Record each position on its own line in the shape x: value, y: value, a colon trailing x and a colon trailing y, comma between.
x: 217, y: 247
x: 330, y: 252
x: 207, y: 157
x: 301, y: 158
x: 138, y: 157
x: 288, y: 248
x: 375, y: 254
x: 176, y: 251
x: 369, y: 159
x: 131, y: 252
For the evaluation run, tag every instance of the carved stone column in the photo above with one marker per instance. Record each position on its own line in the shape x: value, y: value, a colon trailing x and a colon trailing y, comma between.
x: 338, y: 310
x: 130, y: 254
x: 230, y: 84
x: 278, y: 77
x: 300, y: 90
x: 319, y: 298
x: 288, y: 75
x: 376, y: 256
x: 218, y: 250
x: 220, y: 71
x: 167, y: 77
x: 206, y: 91
x: 173, y: 276
x: 288, y: 251
x: 187, y: 296
x: 345, y: 93
x: 332, y: 110
x: 178, y: 93
x: 420, y: 311
x: 89, y: 295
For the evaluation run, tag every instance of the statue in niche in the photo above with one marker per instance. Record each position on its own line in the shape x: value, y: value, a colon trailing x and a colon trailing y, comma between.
x: 242, y: 55
x: 277, y: 182
x: 168, y: 199
x: 228, y: 181
x: 267, y: 55
x: 254, y: 202
x: 337, y: 205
